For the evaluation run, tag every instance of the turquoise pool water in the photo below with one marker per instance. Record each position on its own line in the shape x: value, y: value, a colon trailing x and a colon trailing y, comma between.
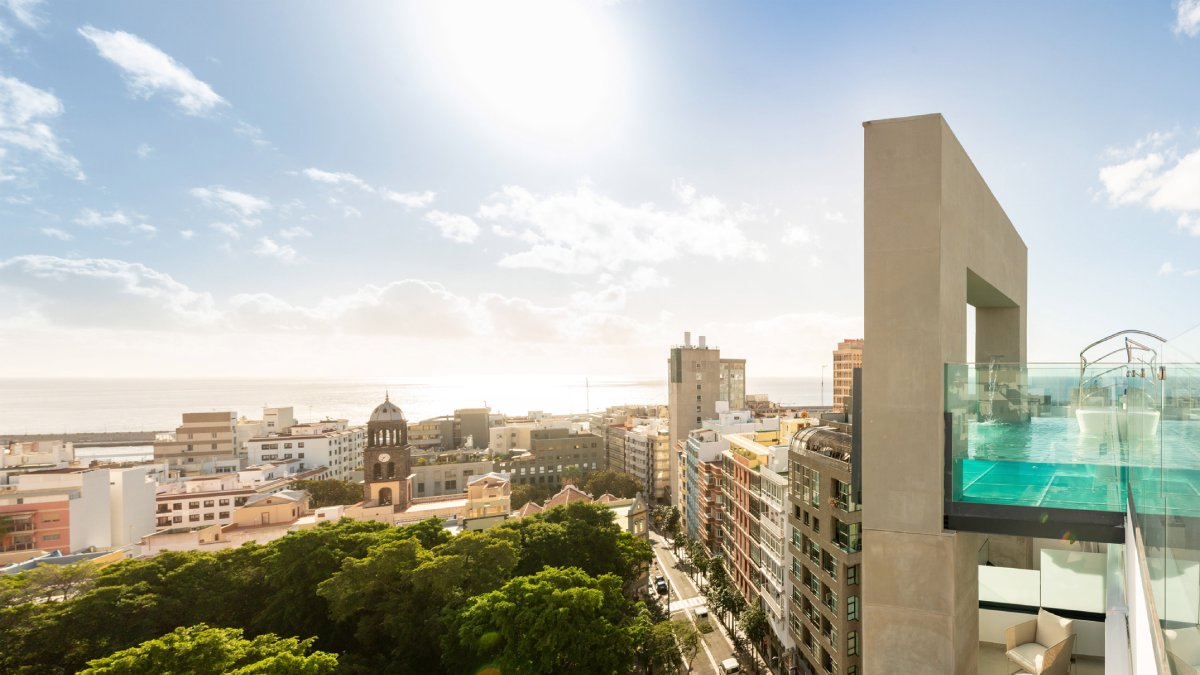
x: 1047, y: 463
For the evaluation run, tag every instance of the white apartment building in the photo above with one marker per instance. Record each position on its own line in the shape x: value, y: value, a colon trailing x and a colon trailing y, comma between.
x: 329, y: 443
x: 210, y: 500
x: 104, y: 507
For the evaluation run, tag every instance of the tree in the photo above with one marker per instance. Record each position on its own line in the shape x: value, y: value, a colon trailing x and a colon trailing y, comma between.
x: 580, y: 534
x: 523, y: 494
x: 200, y: 649
x: 48, y: 582
x: 755, y: 625
x: 664, y: 646
x: 329, y: 492
x: 729, y: 602
x: 615, y: 483
x: 555, y: 621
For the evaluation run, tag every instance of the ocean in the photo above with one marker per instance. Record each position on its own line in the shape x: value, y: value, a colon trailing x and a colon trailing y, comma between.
x: 47, y: 406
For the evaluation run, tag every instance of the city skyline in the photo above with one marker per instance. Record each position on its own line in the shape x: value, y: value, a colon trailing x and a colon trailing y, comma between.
x: 422, y: 189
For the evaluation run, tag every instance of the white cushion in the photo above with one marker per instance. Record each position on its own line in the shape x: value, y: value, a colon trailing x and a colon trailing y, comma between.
x: 1028, y: 656
x: 1052, y: 629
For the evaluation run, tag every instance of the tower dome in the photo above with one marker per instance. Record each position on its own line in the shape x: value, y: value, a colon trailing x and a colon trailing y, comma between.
x: 387, y: 412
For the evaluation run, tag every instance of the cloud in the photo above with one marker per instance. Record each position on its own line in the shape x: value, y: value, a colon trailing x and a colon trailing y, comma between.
x: 1163, y: 180
x: 1166, y: 269
x: 1187, y: 17
x: 227, y: 229
x: 56, y: 233
x: 644, y: 278
x: 412, y: 200
x: 239, y: 203
x: 187, y: 235
x: 98, y: 220
x: 144, y: 150
x: 251, y: 133
x: 94, y: 218
x: 127, y: 296
x: 453, y: 226
x: 796, y: 235
x: 26, y: 11
x: 296, y: 232
x: 25, y: 112
x: 100, y: 292
x: 148, y: 71
x: 268, y: 248
x: 584, y: 232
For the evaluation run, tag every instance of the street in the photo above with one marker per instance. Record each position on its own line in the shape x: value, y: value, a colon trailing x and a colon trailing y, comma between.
x: 714, y: 647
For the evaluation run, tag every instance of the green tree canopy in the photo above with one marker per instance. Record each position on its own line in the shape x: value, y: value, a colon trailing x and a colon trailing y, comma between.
x: 754, y: 624
x: 329, y: 492
x: 615, y: 483
x: 200, y: 649
x: 555, y: 621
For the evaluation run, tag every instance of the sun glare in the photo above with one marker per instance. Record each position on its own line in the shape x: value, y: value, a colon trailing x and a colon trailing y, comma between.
x: 549, y: 69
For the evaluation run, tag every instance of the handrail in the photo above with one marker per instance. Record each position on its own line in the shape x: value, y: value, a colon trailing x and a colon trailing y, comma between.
x: 1129, y: 347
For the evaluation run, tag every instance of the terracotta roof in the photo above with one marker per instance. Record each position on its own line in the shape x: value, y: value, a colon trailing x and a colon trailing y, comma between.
x: 568, y: 494
x: 529, y: 509
x: 605, y: 498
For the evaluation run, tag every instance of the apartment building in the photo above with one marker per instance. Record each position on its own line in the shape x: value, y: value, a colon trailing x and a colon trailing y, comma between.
x: 74, y: 508
x: 330, y: 443
x: 847, y: 357
x: 211, y: 500
x: 206, y: 442
x: 825, y: 549
x: 446, y: 473
x: 697, y: 377
x: 700, y: 504
x: 753, y: 485
x: 553, y: 452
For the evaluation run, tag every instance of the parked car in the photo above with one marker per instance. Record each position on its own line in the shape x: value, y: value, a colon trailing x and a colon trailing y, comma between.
x: 730, y: 666
x: 660, y: 585
x: 701, y: 612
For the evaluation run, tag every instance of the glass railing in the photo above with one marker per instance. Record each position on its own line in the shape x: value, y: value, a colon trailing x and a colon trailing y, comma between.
x: 1051, y: 437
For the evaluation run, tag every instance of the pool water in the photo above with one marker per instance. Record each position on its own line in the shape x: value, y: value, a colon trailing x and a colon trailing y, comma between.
x: 1046, y: 462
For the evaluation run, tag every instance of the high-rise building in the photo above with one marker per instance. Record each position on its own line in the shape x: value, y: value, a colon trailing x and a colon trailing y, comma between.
x: 697, y: 377
x: 825, y: 558
x: 846, y: 358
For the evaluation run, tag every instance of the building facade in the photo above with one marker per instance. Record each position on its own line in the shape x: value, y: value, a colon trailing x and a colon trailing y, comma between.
x: 554, y: 452
x: 206, y: 442
x: 825, y: 551
x: 847, y: 357
x: 330, y: 443
x: 387, y: 458
x: 697, y: 377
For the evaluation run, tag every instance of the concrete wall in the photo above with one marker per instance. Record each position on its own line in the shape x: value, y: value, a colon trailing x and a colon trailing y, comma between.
x: 935, y: 238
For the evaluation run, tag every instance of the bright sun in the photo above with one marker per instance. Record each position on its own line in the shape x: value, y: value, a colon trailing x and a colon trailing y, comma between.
x: 544, y: 68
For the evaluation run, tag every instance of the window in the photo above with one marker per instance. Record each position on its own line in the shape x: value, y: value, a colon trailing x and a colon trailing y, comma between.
x: 287, y: 446
x: 194, y: 518
x: 214, y: 446
x: 177, y: 506
x: 829, y: 564
x: 208, y: 516
x: 852, y: 575
x: 223, y: 502
x: 852, y: 643
x: 852, y: 608
x: 807, y: 520
x: 51, y: 537
x: 208, y: 503
x: 177, y: 519
x: 816, y: 524
x: 452, y: 484
x: 847, y: 536
x: 302, y: 454
x: 223, y: 514
x: 301, y: 445
x: 193, y: 505
x: 810, y: 486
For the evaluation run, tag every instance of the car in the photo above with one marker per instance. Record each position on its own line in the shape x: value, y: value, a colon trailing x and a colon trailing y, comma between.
x: 661, y: 586
x: 701, y: 612
x: 730, y: 666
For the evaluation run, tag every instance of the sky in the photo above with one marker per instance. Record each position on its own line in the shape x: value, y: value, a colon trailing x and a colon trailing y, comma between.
x: 196, y: 189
